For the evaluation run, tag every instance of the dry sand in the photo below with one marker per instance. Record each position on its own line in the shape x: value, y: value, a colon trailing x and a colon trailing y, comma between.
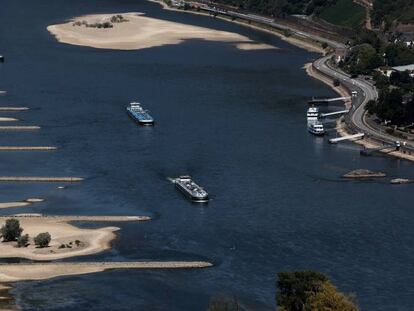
x: 142, y: 32
x: 19, y: 272
x: 21, y: 203
x: 6, y: 119
x: 92, y: 240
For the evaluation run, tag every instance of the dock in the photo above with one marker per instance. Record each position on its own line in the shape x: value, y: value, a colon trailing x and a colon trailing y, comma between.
x: 39, y: 179
x: 27, y: 148
x: 334, y: 113
x: 19, y: 128
x: 348, y: 137
x: 326, y: 100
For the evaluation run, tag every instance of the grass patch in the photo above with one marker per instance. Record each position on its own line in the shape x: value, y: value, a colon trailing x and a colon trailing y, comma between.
x: 344, y: 13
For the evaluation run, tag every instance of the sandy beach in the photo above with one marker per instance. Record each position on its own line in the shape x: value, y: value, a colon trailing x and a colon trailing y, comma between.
x: 141, y: 32
x: 90, y: 241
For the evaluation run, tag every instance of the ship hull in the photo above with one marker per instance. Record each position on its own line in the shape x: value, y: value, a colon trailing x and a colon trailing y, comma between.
x: 316, y: 133
x: 138, y: 121
x: 188, y: 195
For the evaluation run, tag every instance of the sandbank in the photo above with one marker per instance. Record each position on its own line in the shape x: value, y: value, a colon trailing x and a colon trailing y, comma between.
x: 20, y: 203
x: 141, y: 32
x: 20, y: 272
x: 91, y: 241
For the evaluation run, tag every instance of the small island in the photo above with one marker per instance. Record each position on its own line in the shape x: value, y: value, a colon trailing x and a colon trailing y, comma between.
x: 135, y: 31
x: 363, y: 173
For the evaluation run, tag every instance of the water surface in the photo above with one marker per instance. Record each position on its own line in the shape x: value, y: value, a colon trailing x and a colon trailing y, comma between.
x: 235, y: 121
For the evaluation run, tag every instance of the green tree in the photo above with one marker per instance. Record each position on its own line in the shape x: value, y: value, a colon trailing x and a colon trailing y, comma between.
x: 23, y: 240
x: 42, y: 239
x: 310, y: 291
x: 11, y: 230
x: 328, y: 298
x: 293, y: 288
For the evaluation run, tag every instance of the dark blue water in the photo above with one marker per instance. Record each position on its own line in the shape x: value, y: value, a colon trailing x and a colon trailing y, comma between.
x: 232, y: 119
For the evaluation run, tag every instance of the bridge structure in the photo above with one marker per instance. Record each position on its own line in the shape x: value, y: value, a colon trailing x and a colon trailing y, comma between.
x: 327, y: 100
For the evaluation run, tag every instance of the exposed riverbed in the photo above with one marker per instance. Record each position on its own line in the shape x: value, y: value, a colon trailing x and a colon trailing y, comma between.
x: 234, y: 120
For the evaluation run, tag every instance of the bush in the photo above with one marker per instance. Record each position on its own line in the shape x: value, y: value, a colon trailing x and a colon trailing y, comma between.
x: 23, y: 241
x: 336, y: 82
x: 11, y: 230
x: 42, y: 239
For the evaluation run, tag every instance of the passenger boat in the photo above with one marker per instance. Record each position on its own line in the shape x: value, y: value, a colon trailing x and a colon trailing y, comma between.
x: 316, y: 128
x: 312, y: 114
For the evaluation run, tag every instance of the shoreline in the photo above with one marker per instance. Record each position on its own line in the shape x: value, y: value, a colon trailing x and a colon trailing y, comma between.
x: 310, y: 47
x: 300, y: 43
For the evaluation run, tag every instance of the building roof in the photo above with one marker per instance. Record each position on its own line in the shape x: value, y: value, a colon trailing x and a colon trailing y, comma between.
x: 404, y: 68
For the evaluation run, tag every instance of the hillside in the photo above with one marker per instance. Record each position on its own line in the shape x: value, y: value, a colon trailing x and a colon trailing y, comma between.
x: 387, y: 11
x: 344, y: 13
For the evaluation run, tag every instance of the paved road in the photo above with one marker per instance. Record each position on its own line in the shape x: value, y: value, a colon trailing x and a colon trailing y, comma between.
x: 366, y: 91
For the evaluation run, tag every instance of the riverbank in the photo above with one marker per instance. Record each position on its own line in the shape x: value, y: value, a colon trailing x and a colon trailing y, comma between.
x: 67, y: 239
x: 138, y: 31
x: 310, y: 46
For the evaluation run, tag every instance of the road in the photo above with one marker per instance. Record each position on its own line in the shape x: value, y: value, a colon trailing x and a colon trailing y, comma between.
x: 366, y: 91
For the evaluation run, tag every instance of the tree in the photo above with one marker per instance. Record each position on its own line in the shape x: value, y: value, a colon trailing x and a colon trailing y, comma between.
x: 11, y: 230
x: 328, y: 298
x: 310, y: 291
x: 294, y: 288
x: 42, y: 239
x: 23, y: 240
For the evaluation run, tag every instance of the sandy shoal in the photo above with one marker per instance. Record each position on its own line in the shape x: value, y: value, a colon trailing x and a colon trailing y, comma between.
x: 92, y: 240
x: 142, y: 32
x: 20, y: 203
x: 19, y: 272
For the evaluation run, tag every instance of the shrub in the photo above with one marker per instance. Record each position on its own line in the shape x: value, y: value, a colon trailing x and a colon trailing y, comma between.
x: 11, y: 230
x: 23, y: 240
x: 77, y: 242
x: 42, y: 239
x: 336, y: 82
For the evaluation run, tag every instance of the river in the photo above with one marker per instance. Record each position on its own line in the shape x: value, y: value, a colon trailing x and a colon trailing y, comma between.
x: 235, y: 121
